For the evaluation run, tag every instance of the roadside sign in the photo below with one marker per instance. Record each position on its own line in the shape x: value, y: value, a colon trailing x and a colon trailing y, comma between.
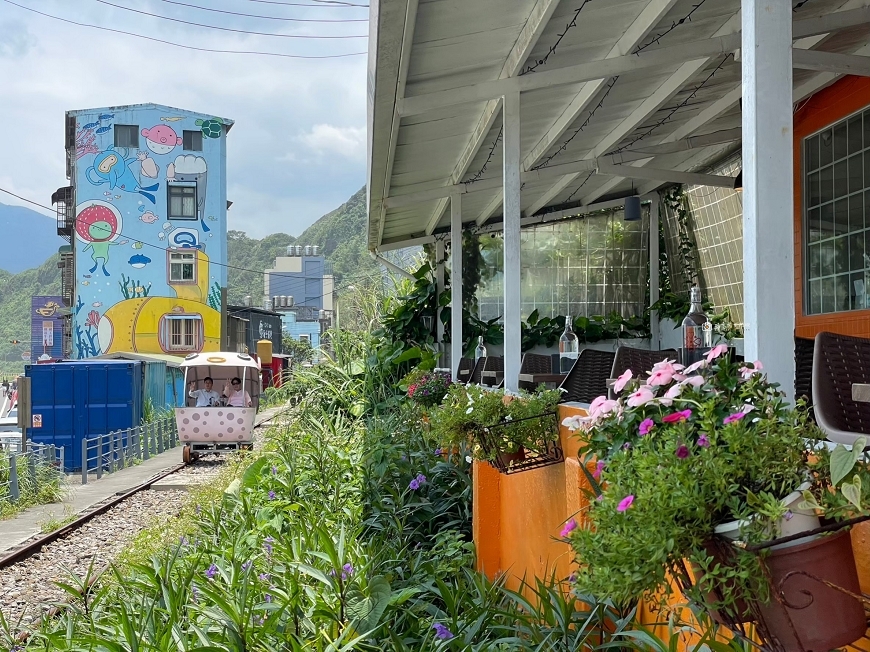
x: 37, y: 421
x: 25, y: 355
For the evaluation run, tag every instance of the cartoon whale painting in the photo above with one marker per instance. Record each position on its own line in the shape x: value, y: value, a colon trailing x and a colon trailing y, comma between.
x: 110, y: 167
x: 161, y: 139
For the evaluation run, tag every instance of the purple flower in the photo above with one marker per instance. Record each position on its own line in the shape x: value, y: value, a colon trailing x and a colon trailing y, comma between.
x: 645, y: 426
x: 267, y: 544
x: 703, y: 441
x: 183, y: 540
x: 625, y: 503
x: 682, y: 451
x: 272, y: 495
x: 421, y: 478
x: 599, y: 467
x: 246, y: 566
x: 788, y: 515
x: 442, y: 632
x: 677, y: 417
x: 211, y: 572
x: 438, y: 451
x: 274, y: 470
x: 413, y: 485
x: 626, y: 446
x: 267, y: 597
x: 570, y: 526
x: 263, y: 577
x: 346, y: 571
x: 731, y: 418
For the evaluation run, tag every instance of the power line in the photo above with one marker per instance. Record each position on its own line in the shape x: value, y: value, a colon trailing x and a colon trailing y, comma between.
x: 291, y: 20
x: 154, y: 246
x: 187, y: 47
x: 226, y: 29
x: 327, y: 4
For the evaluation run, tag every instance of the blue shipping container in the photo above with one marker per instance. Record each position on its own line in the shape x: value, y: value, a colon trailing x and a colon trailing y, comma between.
x: 82, y: 400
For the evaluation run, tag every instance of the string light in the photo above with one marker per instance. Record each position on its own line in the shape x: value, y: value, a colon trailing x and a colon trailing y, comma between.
x: 586, y: 122
x: 799, y: 5
x: 675, y: 109
x: 477, y: 175
x: 658, y: 37
x: 542, y: 62
x: 588, y: 176
x: 226, y: 29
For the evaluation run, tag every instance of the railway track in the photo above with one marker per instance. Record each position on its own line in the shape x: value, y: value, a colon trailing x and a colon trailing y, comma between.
x: 86, y: 545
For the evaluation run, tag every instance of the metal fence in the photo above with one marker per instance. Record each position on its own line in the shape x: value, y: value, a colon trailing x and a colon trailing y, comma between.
x: 25, y: 473
x: 122, y: 448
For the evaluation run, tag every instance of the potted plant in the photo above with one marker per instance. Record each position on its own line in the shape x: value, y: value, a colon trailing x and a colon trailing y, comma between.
x: 500, y: 428
x: 426, y: 388
x: 714, y: 445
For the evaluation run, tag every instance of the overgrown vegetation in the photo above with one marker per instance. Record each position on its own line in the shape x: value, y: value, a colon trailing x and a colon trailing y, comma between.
x: 38, y: 484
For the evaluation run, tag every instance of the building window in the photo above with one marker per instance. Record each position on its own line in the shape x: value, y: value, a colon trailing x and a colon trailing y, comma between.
x: 182, y: 201
x: 179, y: 333
x: 192, y: 141
x: 126, y: 135
x: 304, y: 337
x: 182, y: 267
x: 836, y: 175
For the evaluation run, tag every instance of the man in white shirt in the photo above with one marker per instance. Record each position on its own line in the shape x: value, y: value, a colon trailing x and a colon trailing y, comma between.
x: 204, y: 397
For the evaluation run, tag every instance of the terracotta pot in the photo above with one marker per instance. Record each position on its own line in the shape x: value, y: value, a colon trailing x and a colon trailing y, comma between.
x: 505, y: 459
x: 809, y: 615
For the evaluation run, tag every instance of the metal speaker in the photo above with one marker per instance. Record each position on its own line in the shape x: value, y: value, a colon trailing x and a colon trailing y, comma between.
x: 632, y: 209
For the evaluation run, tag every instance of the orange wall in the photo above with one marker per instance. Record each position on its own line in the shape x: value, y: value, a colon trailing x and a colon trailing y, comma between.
x: 846, y: 96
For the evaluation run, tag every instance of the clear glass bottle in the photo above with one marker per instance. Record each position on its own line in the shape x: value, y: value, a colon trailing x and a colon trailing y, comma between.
x: 696, y: 330
x: 480, y: 351
x: 569, y: 347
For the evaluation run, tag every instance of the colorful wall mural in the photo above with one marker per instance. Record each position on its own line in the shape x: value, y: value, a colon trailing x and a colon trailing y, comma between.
x: 150, y: 231
x: 46, y: 328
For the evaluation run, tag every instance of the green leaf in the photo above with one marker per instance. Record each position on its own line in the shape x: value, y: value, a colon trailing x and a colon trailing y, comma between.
x: 358, y: 409
x: 809, y: 501
x: 852, y: 491
x: 367, y: 610
x: 842, y: 462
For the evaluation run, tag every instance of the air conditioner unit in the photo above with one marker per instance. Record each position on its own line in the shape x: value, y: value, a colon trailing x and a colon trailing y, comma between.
x: 314, y: 250
x: 307, y: 250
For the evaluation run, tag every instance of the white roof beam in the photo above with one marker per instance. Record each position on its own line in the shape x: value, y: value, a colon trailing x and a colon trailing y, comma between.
x: 698, y: 159
x: 551, y: 192
x: 671, y: 176
x: 525, y: 43
x: 651, y: 15
x: 841, y: 64
x: 607, y: 186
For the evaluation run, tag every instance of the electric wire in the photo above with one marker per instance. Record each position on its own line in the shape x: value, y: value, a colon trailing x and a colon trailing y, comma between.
x: 326, y: 4
x: 228, y: 29
x: 278, y: 18
x: 164, y: 249
x: 181, y: 45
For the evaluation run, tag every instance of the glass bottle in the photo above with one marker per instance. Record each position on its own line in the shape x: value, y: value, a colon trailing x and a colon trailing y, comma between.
x: 569, y: 347
x: 696, y: 330
x: 480, y: 351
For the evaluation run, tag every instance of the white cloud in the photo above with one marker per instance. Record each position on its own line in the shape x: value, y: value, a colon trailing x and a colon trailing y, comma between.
x: 326, y: 139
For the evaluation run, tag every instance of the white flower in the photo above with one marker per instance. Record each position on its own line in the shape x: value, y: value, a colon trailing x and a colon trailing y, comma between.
x: 469, y: 410
x: 508, y: 418
x: 468, y: 458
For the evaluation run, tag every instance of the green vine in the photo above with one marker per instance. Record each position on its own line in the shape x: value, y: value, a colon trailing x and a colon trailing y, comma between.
x: 677, y: 201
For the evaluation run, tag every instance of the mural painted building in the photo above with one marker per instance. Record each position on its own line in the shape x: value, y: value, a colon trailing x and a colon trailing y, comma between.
x: 146, y: 216
x: 46, y: 328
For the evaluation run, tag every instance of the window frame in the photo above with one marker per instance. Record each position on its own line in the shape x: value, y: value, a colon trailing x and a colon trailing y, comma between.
x: 864, y: 192
x: 134, y: 129
x: 188, y: 255
x: 195, y: 139
x: 190, y: 342
x: 172, y: 190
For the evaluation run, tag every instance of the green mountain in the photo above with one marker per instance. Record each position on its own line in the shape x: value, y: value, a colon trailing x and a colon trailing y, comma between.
x: 245, y: 256
x: 341, y: 236
x: 15, y: 293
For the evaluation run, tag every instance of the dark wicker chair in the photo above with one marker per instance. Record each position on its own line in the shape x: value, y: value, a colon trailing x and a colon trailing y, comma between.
x: 494, y: 363
x: 474, y: 378
x: 587, y: 379
x: 534, y: 363
x: 466, y: 366
x: 839, y: 361
x: 803, y: 368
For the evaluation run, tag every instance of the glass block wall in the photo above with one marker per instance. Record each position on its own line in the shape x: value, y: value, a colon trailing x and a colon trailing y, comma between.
x: 836, y: 168
x: 589, y: 266
x: 715, y: 225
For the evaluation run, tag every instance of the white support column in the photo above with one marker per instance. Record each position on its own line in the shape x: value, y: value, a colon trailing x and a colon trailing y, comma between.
x: 512, y: 330
x: 455, y: 284
x: 439, y: 288
x: 655, y: 217
x: 768, y: 209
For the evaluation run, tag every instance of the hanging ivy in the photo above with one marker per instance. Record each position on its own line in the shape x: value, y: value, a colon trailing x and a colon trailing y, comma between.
x: 678, y: 202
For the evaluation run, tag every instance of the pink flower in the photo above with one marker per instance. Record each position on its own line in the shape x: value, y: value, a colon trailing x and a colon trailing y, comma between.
x: 641, y: 396
x: 570, y: 526
x: 716, y: 351
x: 660, y: 377
x: 746, y: 409
x: 605, y: 408
x: 748, y: 372
x: 669, y: 365
x: 599, y: 467
x: 682, y: 451
x: 677, y: 417
x: 674, y: 391
x: 700, y: 364
x: 622, y: 381
x: 645, y: 426
x: 596, y: 403
x: 625, y: 503
x: 694, y: 381
x: 731, y: 418
x: 703, y: 441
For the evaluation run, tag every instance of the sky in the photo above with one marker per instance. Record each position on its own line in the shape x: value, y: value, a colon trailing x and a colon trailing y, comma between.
x: 297, y: 149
